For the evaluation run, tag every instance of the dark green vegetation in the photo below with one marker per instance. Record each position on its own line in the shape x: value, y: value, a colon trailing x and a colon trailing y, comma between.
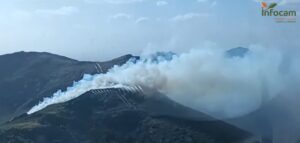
x: 27, y: 77
x: 103, y: 116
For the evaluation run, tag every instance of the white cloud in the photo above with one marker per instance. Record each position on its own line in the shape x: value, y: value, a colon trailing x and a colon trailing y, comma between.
x: 119, y: 16
x: 65, y: 10
x: 142, y: 20
x: 188, y: 16
x: 129, y: 17
x: 161, y: 3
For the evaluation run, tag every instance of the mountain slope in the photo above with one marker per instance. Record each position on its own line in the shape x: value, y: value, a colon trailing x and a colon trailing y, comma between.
x: 119, y: 116
x: 28, y: 77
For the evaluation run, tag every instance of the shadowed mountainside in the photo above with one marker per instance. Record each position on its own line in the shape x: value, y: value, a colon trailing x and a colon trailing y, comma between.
x: 119, y: 116
x: 27, y: 77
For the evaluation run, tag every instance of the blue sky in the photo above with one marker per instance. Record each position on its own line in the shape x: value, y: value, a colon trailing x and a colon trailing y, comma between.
x: 104, y: 29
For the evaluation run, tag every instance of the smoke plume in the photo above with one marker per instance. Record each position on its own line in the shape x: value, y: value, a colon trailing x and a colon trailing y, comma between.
x: 203, y: 79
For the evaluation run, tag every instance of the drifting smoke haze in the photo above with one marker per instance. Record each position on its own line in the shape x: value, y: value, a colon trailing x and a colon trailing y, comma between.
x: 203, y: 79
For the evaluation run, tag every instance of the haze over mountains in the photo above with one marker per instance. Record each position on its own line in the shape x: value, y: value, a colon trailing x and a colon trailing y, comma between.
x: 96, y: 116
x: 137, y: 114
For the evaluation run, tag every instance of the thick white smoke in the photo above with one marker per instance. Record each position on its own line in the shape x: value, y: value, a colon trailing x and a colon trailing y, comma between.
x: 203, y: 79
x: 78, y: 88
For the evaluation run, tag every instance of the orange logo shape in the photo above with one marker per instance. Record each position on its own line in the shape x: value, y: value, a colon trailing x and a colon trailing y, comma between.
x: 264, y: 5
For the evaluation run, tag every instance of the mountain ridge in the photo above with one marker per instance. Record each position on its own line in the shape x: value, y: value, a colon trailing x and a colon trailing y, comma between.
x: 28, y: 77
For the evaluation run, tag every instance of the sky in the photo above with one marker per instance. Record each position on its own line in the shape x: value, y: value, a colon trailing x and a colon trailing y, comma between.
x: 104, y: 29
